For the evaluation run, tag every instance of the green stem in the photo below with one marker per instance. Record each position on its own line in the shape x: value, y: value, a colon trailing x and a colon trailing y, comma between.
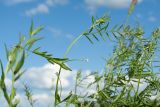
x: 126, y: 21
x: 71, y: 45
x: 75, y: 89
x: 59, y: 73
x: 56, y: 91
x: 139, y: 80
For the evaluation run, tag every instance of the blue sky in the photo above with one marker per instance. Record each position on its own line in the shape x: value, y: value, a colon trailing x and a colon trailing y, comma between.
x: 63, y: 20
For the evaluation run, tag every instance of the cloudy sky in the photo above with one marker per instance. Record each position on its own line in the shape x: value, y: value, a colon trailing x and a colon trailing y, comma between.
x: 63, y: 20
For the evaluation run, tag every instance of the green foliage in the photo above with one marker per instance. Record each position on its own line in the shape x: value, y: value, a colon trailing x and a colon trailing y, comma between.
x: 15, y: 60
x: 29, y: 95
x: 33, y: 31
x: 59, y: 61
x: 134, y: 63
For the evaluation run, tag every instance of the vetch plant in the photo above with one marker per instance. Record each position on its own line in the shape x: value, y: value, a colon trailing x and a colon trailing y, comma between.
x: 134, y: 63
x: 29, y: 95
x: 15, y: 60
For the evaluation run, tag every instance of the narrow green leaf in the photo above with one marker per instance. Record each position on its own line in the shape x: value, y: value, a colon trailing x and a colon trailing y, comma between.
x: 114, y: 28
x: 115, y: 35
x: 61, y: 59
x: 90, y: 30
x: 68, y: 97
x: 31, y: 29
x: 37, y: 49
x: 19, y: 75
x: 106, y: 26
x: 32, y: 40
x: 20, y: 63
x: 3, y: 86
x: 34, y: 32
x: 93, y: 20
x: 2, y: 70
x: 12, y: 58
x: 107, y: 34
x: 119, y: 28
x: 21, y: 40
x: 52, y: 60
x: 101, y: 36
x: 60, y: 63
x: 95, y: 37
x: 89, y: 39
x: 7, y: 52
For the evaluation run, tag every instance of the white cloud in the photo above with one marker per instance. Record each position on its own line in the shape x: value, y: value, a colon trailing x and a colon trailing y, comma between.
x: 44, y: 7
x: 40, y: 78
x: 70, y: 36
x: 45, y: 77
x: 142, y: 84
x: 56, y: 2
x: 14, y: 2
x: 92, y: 5
x: 8, y: 82
x: 55, y: 32
x: 139, y: 16
x: 152, y: 18
x: 41, y: 8
x: 59, y: 33
x: 41, y: 97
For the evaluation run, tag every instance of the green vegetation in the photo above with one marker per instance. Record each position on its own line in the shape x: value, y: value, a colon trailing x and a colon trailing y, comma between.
x: 132, y: 64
